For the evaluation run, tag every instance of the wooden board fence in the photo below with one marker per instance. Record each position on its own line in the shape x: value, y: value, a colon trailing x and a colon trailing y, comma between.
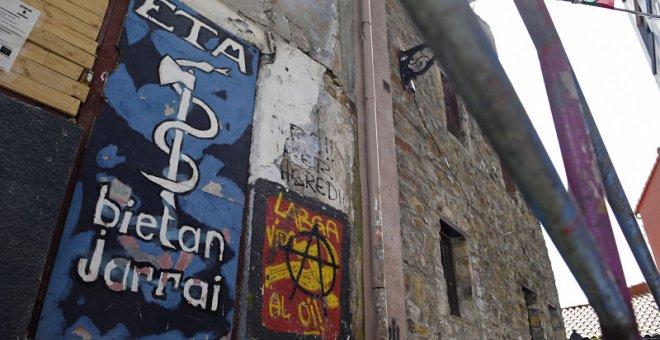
x: 63, y: 43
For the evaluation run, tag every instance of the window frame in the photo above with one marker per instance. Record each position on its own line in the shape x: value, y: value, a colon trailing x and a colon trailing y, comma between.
x: 449, y: 235
x: 452, y: 110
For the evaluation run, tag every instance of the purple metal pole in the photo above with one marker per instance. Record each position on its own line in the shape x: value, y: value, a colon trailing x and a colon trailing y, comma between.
x: 581, y: 168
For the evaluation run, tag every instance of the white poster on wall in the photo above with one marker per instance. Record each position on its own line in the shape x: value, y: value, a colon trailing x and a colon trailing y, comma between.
x: 16, y: 22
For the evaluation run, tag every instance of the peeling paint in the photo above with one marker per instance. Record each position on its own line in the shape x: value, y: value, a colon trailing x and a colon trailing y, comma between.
x: 214, y: 188
x: 169, y: 110
x: 120, y: 192
x: 305, y: 146
x: 83, y: 333
x: 568, y: 80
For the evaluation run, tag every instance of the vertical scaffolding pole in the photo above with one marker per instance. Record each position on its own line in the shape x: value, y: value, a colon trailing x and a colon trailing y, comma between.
x: 462, y: 47
x: 584, y: 178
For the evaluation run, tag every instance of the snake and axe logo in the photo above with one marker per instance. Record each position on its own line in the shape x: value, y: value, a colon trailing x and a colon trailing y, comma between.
x: 180, y: 74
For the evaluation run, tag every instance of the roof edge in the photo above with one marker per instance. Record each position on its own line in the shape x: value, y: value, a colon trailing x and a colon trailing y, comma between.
x: 648, y: 182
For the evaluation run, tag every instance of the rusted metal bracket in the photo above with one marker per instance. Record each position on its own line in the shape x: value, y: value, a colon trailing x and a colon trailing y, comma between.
x: 413, y: 63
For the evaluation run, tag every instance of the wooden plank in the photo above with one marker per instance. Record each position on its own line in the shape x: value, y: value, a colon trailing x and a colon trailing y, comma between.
x: 65, y: 19
x: 78, y: 12
x: 51, y: 60
x: 34, y: 53
x: 93, y: 6
x: 50, y: 78
x: 64, y: 66
x: 55, y: 44
x: 74, y: 38
x: 40, y: 93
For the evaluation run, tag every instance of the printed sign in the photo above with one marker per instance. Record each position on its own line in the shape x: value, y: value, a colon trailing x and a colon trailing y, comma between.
x: 16, y: 22
x: 300, y: 252
x: 150, y: 245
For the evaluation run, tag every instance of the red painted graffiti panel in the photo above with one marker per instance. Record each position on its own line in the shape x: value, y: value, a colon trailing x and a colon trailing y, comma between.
x: 301, y: 276
x: 303, y: 263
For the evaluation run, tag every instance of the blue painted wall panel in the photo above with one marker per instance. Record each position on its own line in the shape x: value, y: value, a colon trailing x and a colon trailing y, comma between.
x: 150, y: 246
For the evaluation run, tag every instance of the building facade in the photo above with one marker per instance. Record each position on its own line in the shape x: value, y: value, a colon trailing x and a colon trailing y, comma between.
x: 646, y: 209
x: 648, y: 31
x: 254, y: 169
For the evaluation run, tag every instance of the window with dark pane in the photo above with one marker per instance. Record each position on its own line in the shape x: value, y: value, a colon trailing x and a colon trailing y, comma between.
x: 452, y: 113
x: 534, y: 314
x: 448, y: 239
x: 509, y: 184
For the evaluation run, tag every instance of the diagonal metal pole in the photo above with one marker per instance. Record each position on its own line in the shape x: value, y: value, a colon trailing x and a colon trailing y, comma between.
x: 621, y: 206
x: 584, y: 178
x: 462, y: 47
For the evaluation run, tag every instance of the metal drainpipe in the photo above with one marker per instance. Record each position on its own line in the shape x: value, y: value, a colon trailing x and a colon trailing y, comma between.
x: 461, y: 45
x: 584, y: 178
x: 377, y: 325
x: 621, y: 206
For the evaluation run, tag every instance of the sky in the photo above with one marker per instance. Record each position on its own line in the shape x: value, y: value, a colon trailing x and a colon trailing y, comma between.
x: 616, y: 79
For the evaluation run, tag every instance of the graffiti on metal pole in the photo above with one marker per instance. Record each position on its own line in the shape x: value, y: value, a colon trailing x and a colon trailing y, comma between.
x: 301, y: 250
x: 151, y: 240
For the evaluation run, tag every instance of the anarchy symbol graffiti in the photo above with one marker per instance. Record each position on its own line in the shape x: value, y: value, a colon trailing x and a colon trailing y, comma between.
x: 320, y: 255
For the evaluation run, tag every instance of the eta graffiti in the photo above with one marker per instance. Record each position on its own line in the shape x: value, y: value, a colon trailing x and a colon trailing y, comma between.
x: 147, y: 246
x: 108, y: 215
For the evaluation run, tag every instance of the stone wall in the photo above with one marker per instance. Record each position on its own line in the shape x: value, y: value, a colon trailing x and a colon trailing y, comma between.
x: 457, y: 178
